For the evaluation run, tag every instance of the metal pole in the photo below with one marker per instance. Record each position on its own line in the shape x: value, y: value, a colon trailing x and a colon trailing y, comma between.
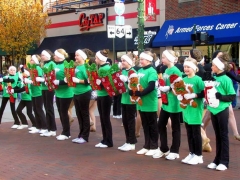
x: 194, y: 32
x: 140, y: 26
x: 126, y: 45
x: 114, y: 54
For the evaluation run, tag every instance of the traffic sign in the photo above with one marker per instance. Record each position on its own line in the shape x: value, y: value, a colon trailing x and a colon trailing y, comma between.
x: 111, y: 31
x: 128, y: 32
x: 120, y: 31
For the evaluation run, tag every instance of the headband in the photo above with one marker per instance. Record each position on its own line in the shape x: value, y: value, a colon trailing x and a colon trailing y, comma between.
x: 101, y: 57
x: 126, y: 58
x: 45, y: 53
x: 191, y: 65
x: 218, y: 63
x: 169, y: 56
x: 58, y: 54
x: 35, y: 59
x: 82, y: 54
x: 144, y: 55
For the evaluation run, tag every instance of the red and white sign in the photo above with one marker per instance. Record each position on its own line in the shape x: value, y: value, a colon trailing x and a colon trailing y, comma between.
x: 150, y: 10
x: 91, y: 21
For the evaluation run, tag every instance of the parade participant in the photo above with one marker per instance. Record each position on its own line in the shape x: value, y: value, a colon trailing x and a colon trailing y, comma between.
x: 219, y: 115
x: 128, y: 109
x: 104, y: 102
x: 82, y: 95
x: 63, y: 94
x: 10, y: 81
x: 169, y: 110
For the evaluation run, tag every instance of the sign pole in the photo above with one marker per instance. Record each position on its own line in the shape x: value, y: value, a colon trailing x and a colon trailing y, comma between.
x: 114, y: 54
x: 126, y: 45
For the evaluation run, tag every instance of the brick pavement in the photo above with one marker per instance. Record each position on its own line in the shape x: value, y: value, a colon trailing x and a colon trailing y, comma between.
x: 29, y: 156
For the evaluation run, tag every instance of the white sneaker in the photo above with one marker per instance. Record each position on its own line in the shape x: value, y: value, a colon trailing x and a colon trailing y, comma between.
x: 143, y: 151
x: 43, y: 131
x: 159, y: 154
x: 22, y: 126
x: 188, y: 158
x: 75, y: 140
x: 120, y: 147
x: 34, y: 131
x: 103, y: 146
x: 98, y: 145
x: 15, y: 126
x: 212, y: 166
x: 196, y: 160
x: 119, y: 117
x: 48, y: 134
x: 81, y: 140
x: 115, y: 117
x: 63, y: 137
x: 31, y: 128
x: 151, y: 152
x: 221, y: 167
x: 128, y: 147
x: 172, y: 156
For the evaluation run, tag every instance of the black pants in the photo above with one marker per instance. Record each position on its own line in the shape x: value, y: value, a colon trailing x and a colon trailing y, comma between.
x: 104, y: 109
x: 81, y: 103
x: 220, y: 126
x: 63, y: 105
x: 12, y: 106
x: 39, y: 113
x: 117, y: 105
x: 29, y: 108
x: 49, y: 109
x: 194, y: 138
x: 176, y: 131
x: 128, y: 119
x: 149, y: 123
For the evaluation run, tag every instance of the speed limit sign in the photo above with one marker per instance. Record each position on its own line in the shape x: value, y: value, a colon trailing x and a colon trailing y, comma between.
x: 120, y: 31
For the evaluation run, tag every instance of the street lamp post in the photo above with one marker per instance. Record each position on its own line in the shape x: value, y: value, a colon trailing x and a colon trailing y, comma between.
x: 140, y: 26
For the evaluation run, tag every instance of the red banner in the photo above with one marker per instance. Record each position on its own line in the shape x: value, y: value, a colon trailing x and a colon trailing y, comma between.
x: 150, y: 10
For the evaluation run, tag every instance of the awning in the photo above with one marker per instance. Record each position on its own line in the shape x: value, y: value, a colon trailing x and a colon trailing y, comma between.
x: 225, y: 28
x: 96, y: 41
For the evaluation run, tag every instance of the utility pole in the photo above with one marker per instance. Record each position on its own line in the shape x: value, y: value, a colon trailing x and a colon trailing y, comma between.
x: 140, y: 26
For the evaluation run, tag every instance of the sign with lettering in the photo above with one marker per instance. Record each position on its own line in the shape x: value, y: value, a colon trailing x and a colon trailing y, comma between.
x: 128, y: 32
x: 92, y: 21
x: 111, y: 31
x: 150, y: 10
x: 120, y: 31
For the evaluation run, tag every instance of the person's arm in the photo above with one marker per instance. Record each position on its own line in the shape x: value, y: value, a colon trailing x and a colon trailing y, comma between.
x: 147, y: 90
x: 231, y: 76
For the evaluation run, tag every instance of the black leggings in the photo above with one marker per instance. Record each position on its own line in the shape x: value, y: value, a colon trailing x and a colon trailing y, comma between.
x: 12, y: 106
x: 39, y: 113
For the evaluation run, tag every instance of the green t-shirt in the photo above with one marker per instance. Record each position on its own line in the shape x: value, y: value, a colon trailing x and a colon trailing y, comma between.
x: 62, y: 91
x: 224, y: 87
x: 27, y: 96
x: 16, y: 83
x: 193, y: 115
x: 125, y: 96
x: 150, y: 100
x: 46, y: 65
x: 81, y: 73
x: 37, y: 90
x: 173, y: 105
x: 103, y: 92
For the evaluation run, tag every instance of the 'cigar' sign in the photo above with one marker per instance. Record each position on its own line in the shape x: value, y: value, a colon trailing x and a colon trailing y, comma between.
x: 91, y: 21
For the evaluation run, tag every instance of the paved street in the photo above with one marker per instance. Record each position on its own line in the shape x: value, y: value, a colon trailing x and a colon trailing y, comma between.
x: 29, y: 156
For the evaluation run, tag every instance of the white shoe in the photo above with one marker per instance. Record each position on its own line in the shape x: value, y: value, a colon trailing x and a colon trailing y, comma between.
x: 119, y: 117
x: 43, y: 131
x: 103, y: 146
x: 15, y: 126
x: 22, y: 126
x: 188, y: 158
x: 31, y: 128
x: 143, y: 151
x: 98, y: 145
x: 172, y: 156
x: 212, y: 166
x: 115, y: 117
x: 196, y: 160
x: 159, y: 154
x: 63, y: 137
x: 34, y: 131
x: 128, y: 147
x: 81, y: 140
x: 48, y: 134
x: 120, y: 147
x: 221, y: 167
x: 151, y: 152
x: 75, y: 140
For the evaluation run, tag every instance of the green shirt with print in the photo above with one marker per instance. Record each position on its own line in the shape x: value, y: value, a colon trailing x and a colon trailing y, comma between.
x: 81, y: 73
x: 193, y: 115
x: 173, y: 105
x: 224, y: 87
x: 150, y: 100
x: 103, y: 92
x: 37, y: 90
x: 125, y: 96
x: 16, y: 83
x: 46, y: 65
x: 27, y: 96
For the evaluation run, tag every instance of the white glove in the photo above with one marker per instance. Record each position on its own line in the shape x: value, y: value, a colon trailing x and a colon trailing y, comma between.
x: 65, y: 80
x: 28, y: 81
x: 40, y: 79
x: 56, y: 82
x: 75, y: 80
x: 27, y: 73
x: 21, y: 66
x: 179, y: 97
x: 164, y: 88
x: 98, y: 81
x: 190, y: 96
x: 1, y: 79
x: 123, y: 78
x: 12, y: 91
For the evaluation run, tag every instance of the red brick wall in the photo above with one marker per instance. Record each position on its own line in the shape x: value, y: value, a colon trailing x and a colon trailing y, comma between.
x: 175, y: 10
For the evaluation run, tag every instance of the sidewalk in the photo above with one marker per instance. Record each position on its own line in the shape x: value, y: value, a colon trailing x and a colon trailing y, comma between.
x: 29, y: 156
